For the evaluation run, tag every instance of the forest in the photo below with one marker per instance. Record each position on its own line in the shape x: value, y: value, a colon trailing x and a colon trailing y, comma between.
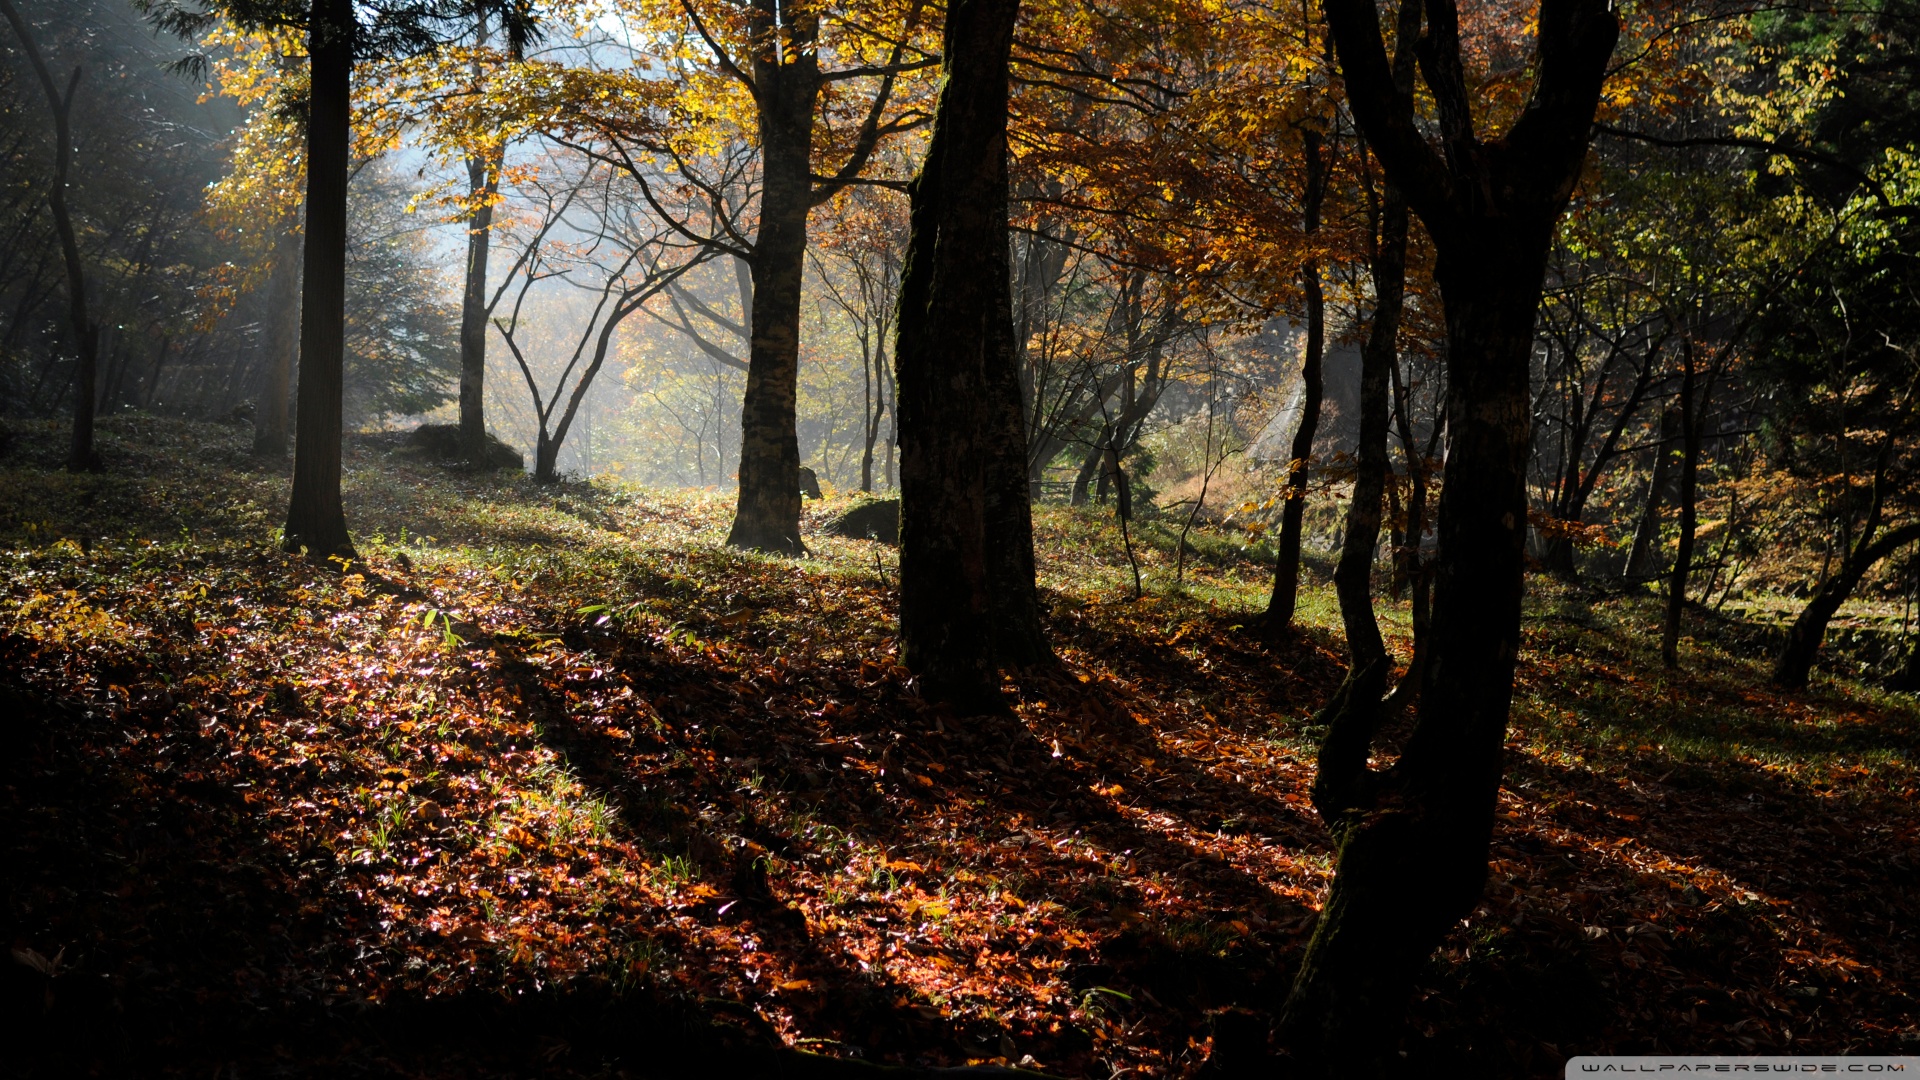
x: 861, y: 538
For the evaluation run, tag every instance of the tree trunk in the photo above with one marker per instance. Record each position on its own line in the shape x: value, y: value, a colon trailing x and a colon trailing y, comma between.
x: 1412, y: 841
x: 1407, y: 873
x: 1019, y: 637
x: 954, y: 320
x: 86, y: 337
x: 1353, y: 574
x: 767, y: 517
x: 316, y: 521
x: 1646, y: 533
x: 1689, y: 517
x: 1795, y: 665
x: 1089, y: 468
x: 483, y: 175
x: 283, y: 344
x: 1286, y: 571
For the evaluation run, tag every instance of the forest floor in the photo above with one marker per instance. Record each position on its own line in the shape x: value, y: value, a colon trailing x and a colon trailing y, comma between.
x: 554, y: 783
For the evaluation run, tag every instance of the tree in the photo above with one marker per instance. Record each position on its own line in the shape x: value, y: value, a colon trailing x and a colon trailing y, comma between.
x: 1286, y: 570
x: 86, y: 336
x: 781, y: 56
x: 1412, y: 842
x: 955, y: 358
x: 618, y: 259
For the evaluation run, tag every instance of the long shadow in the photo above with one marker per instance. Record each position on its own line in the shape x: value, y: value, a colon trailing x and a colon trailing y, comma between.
x: 161, y: 926
x: 979, y: 773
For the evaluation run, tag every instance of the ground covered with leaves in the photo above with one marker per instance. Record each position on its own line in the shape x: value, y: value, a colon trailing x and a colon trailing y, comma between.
x: 554, y: 783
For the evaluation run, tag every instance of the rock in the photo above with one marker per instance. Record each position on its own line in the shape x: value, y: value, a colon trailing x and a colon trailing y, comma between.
x: 872, y: 519
x: 809, y: 484
x: 442, y: 441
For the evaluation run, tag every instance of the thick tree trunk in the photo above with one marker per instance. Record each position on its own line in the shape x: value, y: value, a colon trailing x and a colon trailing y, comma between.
x: 1795, y: 664
x: 1353, y: 574
x: 1019, y: 637
x: 316, y: 521
x: 1286, y: 571
x: 767, y: 517
x: 483, y: 175
x: 270, y: 425
x: 954, y: 323
x: 86, y: 337
x: 1690, y: 423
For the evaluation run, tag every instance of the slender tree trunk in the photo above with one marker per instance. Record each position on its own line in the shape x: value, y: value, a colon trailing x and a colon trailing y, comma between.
x: 483, y: 175
x: 316, y: 521
x: 1690, y: 423
x: 86, y: 337
x: 869, y: 417
x: 1090, y: 468
x: 1795, y: 664
x: 283, y: 345
x: 767, y: 517
x: 954, y: 320
x: 1646, y: 532
x: 1286, y: 573
x: 1353, y: 574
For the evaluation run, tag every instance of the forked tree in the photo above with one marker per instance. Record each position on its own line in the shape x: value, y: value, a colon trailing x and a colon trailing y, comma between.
x: 1413, y: 840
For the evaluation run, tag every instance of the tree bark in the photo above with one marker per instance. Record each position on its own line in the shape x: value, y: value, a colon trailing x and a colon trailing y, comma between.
x: 955, y: 322
x: 483, y: 175
x: 767, y: 517
x: 283, y: 345
x: 81, y: 456
x: 1286, y: 571
x: 1412, y: 842
x: 1353, y: 574
x: 1689, y: 511
x: 1795, y: 664
x: 316, y: 521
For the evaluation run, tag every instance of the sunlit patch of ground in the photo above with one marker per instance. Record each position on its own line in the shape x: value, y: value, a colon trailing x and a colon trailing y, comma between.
x: 563, y: 738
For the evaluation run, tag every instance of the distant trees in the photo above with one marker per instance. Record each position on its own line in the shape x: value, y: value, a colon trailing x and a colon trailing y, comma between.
x: 336, y: 35
x: 86, y: 335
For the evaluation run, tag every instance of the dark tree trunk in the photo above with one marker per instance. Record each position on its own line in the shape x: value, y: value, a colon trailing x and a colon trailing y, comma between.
x: 316, y: 521
x: 1353, y: 574
x: 1090, y: 468
x: 1412, y: 842
x: 1286, y: 571
x: 1019, y: 638
x: 283, y: 344
x: 1690, y: 422
x: 86, y: 337
x: 483, y: 175
x: 1795, y: 664
x: 1646, y: 533
x: 767, y: 517
x: 954, y: 320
